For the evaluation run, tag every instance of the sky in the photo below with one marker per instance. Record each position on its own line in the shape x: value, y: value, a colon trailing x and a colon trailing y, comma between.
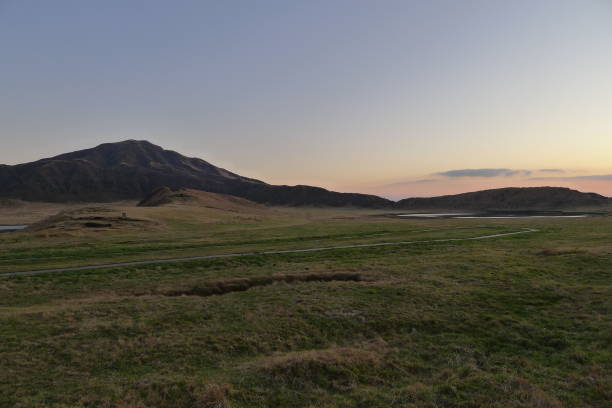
x: 391, y: 97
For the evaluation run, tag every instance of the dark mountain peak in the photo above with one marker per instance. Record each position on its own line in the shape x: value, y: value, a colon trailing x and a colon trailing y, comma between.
x: 128, y: 143
x: 136, y: 142
x: 128, y: 152
x: 139, y: 156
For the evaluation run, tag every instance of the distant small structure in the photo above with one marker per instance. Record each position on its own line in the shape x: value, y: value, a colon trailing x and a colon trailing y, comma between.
x: 124, y: 215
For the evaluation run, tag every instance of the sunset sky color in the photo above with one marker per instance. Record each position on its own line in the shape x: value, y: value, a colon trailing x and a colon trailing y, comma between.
x: 392, y: 97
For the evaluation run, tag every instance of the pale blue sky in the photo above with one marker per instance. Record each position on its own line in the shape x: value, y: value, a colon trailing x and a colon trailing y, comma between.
x: 347, y: 94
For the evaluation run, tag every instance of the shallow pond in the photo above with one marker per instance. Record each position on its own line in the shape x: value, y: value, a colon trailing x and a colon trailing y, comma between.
x: 12, y: 227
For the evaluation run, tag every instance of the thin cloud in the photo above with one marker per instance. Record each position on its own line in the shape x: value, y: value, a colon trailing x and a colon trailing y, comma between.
x: 552, y: 170
x: 487, y: 173
x: 599, y: 177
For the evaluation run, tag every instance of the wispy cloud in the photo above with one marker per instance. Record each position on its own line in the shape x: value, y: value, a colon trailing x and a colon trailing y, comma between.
x: 551, y: 171
x: 600, y: 177
x: 488, y: 173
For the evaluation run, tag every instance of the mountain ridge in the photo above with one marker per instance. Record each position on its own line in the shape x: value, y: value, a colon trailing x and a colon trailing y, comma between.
x: 132, y: 169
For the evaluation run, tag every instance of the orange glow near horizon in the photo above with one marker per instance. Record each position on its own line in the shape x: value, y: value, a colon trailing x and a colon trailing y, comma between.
x: 444, y: 186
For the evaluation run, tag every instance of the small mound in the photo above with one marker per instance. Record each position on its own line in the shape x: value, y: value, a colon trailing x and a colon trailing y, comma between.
x: 311, y: 363
x: 334, y: 367
x: 89, y: 218
x: 166, y: 196
x: 157, y: 197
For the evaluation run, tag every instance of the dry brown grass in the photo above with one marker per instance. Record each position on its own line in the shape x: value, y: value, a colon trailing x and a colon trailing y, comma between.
x: 334, y: 363
x: 215, y: 396
x: 295, y: 362
x: 75, y: 219
x: 62, y: 305
x: 96, y: 219
x: 154, y: 394
x: 26, y: 213
x: 197, y: 198
x: 526, y: 394
x: 596, y: 377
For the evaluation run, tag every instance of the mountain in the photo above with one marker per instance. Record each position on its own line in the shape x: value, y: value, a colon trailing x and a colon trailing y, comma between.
x: 511, y: 198
x: 133, y: 169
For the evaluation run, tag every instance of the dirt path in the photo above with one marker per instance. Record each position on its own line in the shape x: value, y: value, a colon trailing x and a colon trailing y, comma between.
x: 271, y: 252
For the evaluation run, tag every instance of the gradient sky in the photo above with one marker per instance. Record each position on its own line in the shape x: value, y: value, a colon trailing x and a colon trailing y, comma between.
x: 398, y: 98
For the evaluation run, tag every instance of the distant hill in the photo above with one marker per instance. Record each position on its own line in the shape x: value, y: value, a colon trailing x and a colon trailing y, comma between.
x: 164, y: 196
x: 133, y: 169
x: 511, y: 198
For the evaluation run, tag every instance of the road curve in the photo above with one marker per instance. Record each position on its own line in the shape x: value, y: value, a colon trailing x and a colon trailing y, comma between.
x: 271, y: 252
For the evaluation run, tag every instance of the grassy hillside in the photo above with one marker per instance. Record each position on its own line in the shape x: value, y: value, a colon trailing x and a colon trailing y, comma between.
x: 511, y: 198
x: 522, y: 321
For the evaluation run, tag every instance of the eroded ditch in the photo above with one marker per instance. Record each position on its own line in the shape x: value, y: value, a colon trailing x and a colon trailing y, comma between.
x: 222, y: 287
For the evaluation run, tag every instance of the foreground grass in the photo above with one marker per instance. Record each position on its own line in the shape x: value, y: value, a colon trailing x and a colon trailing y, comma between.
x: 26, y: 251
x: 523, y: 321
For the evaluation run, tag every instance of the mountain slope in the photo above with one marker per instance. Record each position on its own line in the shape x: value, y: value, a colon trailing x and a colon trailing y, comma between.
x: 132, y: 169
x: 511, y: 198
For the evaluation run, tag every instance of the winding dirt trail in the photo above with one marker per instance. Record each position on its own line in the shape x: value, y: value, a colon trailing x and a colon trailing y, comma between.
x: 271, y: 252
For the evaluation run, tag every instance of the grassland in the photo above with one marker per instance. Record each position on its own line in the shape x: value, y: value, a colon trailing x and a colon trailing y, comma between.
x: 521, y: 321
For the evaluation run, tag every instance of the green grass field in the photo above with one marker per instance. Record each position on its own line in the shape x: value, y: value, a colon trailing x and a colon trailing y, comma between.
x: 520, y: 321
